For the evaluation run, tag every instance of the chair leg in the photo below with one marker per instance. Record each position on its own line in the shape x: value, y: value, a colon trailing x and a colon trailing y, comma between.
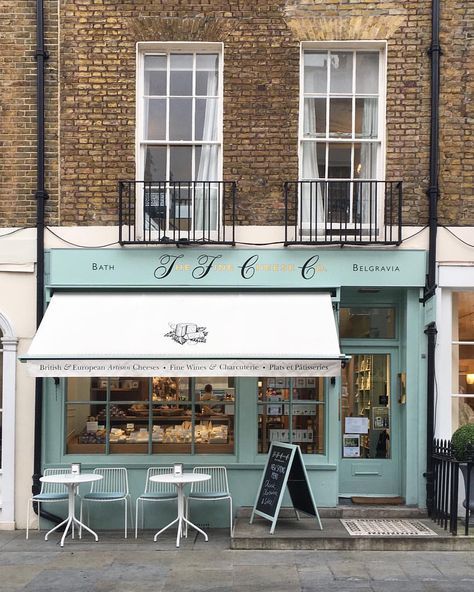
x: 28, y: 517
x: 126, y: 516
x: 231, y: 519
x: 39, y: 516
x: 136, y: 517
x: 80, y: 519
x: 186, y: 512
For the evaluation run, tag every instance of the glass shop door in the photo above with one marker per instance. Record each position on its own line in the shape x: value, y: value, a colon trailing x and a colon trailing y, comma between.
x: 370, y: 430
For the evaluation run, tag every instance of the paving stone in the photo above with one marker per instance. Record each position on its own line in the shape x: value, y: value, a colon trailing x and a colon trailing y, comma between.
x: 18, y: 576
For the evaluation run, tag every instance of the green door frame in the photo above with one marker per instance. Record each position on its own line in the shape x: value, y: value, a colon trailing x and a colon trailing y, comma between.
x: 375, y: 477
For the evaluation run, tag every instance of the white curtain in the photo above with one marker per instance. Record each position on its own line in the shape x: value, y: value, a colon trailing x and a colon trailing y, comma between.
x: 368, y: 162
x: 312, y: 203
x: 206, y: 194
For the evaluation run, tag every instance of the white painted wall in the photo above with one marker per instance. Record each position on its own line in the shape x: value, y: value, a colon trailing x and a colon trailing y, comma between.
x: 17, y: 320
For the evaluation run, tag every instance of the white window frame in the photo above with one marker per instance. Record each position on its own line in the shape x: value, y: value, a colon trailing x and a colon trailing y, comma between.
x: 451, y: 279
x: 143, y: 49
x: 379, y: 47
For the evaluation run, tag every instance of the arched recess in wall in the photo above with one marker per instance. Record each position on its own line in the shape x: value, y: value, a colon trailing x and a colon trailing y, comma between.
x: 8, y: 347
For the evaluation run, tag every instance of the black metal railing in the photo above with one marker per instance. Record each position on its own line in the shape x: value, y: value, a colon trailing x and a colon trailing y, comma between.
x: 446, y: 479
x: 343, y: 212
x: 159, y: 212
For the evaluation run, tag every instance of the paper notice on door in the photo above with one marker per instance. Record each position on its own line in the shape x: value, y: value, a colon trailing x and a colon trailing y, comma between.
x: 357, y: 425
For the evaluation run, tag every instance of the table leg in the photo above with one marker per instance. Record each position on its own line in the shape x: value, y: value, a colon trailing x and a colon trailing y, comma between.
x: 181, y: 519
x: 165, y: 528
x: 71, y: 520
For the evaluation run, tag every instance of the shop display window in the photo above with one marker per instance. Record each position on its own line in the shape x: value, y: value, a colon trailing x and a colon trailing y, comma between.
x: 150, y: 415
x: 365, y: 407
x: 291, y: 410
x: 356, y: 322
x: 463, y: 359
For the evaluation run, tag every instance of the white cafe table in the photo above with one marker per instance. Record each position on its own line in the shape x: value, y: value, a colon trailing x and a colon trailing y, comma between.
x: 72, y: 482
x: 180, y: 481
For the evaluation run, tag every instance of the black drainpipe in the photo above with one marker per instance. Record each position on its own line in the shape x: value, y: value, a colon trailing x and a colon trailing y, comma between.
x: 430, y: 288
x: 41, y: 196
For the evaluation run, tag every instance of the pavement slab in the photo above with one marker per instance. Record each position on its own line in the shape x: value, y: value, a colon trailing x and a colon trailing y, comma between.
x: 118, y: 565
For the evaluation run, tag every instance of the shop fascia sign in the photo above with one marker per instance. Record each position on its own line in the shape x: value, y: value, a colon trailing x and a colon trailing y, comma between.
x: 235, y: 268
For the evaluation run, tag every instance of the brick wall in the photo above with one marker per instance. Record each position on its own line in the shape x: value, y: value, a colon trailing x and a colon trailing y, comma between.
x: 18, y: 111
x: 456, y: 204
x: 261, y: 39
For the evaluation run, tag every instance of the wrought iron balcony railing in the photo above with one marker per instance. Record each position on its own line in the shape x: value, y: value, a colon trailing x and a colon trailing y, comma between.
x: 343, y: 212
x: 158, y: 212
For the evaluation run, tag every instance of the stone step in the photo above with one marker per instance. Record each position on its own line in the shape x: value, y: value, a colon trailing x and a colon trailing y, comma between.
x: 353, y: 511
x: 304, y: 534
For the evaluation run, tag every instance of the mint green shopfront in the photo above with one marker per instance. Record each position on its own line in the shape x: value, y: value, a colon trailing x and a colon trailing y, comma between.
x: 361, y: 428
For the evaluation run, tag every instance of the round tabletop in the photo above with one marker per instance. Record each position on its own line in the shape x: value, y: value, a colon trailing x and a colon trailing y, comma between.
x: 180, y: 479
x: 70, y: 479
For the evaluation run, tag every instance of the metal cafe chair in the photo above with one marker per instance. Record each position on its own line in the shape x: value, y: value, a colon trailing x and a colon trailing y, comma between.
x: 213, y: 490
x: 154, y: 492
x: 112, y: 488
x: 49, y: 493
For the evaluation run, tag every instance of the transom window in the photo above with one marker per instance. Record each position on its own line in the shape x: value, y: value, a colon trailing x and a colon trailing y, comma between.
x: 340, y: 130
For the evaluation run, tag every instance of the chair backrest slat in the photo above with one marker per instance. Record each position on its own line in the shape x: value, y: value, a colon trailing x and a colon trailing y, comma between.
x: 153, y: 487
x: 218, y: 482
x: 54, y: 487
x: 115, y: 480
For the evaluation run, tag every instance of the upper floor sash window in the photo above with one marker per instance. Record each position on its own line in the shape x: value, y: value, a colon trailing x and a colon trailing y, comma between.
x: 179, y: 131
x: 341, y: 133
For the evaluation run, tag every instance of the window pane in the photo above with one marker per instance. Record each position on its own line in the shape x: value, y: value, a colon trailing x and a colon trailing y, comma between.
x: 86, y: 389
x: 314, y: 160
x: 291, y: 410
x: 367, y: 323
x: 181, y: 163
x: 181, y: 74
x: 341, y: 72
x: 180, y: 119
x: 315, y: 72
x: 207, y: 74
x: 155, y: 119
x: 339, y: 166
x: 367, y: 72
x: 462, y: 410
x: 155, y: 163
x: 463, y: 361
x: 365, y: 161
x: 366, y: 118
x: 463, y: 310
x: 340, y: 118
x: 206, y: 158
x: 366, y: 394
x: 85, y: 433
x: 155, y: 75
x: 206, y: 119
x: 314, y: 117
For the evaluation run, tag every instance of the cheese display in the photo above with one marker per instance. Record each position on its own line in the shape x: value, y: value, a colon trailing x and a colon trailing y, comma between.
x: 157, y: 415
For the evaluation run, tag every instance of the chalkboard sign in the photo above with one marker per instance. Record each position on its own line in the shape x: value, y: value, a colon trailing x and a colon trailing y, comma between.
x: 284, y: 468
x: 274, y: 480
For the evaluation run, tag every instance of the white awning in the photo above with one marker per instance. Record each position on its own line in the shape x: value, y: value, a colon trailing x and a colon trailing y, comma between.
x: 186, y: 334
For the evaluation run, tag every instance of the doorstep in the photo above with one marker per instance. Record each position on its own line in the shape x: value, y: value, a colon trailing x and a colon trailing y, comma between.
x: 304, y: 534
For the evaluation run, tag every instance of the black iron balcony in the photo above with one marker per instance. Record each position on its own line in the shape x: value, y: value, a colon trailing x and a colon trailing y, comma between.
x: 177, y: 212
x: 343, y: 212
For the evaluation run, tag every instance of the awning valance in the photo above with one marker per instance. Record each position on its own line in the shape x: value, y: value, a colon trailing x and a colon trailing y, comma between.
x: 186, y: 334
